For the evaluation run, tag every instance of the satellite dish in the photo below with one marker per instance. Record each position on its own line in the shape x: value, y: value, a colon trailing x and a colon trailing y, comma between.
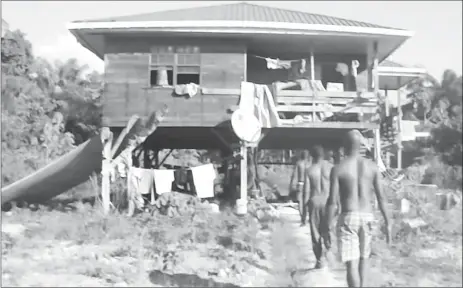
x: 246, y: 126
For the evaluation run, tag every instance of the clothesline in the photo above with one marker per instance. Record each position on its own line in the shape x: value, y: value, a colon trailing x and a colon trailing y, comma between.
x: 261, y: 57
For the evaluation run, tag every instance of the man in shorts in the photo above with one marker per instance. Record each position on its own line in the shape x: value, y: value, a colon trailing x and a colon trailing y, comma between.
x: 351, y: 182
x: 299, y: 172
x: 318, y: 177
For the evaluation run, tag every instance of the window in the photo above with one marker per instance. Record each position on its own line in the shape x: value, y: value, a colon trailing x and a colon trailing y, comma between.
x: 174, y: 65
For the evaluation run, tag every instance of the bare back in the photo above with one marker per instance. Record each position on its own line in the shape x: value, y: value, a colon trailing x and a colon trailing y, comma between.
x: 355, y: 176
x: 319, y: 178
x: 301, y: 168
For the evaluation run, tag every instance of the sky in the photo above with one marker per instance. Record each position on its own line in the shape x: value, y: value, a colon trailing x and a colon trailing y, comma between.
x: 436, y: 45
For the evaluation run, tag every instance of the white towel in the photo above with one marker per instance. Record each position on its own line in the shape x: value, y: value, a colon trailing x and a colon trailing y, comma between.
x: 163, y: 180
x: 134, y: 193
x: 258, y: 101
x: 190, y: 89
x: 203, y: 177
x: 408, y: 130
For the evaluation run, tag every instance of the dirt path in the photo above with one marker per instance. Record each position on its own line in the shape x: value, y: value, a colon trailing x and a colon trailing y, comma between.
x: 303, y: 258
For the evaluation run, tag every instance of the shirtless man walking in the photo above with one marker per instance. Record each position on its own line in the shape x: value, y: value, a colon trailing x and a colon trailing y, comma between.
x: 351, y: 182
x: 318, y: 177
x: 300, y: 170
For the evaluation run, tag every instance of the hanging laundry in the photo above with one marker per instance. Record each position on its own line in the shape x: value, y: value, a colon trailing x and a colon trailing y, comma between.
x: 277, y: 64
x: 203, y: 178
x: 190, y: 89
x: 355, y: 66
x: 258, y: 100
x: 181, y: 176
x: 163, y: 180
x: 263, y: 107
x: 408, y: 130
x: 139, y: 182
x: 303, y: 66
x: 183, y: 180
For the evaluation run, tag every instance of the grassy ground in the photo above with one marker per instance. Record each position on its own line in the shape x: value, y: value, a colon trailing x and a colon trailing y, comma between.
x: 76, y: 243
x: 81, y: 245
x: 427, y: 257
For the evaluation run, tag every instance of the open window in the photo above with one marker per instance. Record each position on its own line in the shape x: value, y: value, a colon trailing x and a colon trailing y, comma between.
x: 162, y: 62
x: 187, y: 74
x: 170, y: 66
x: 188, y: 65
x: 161, y: 76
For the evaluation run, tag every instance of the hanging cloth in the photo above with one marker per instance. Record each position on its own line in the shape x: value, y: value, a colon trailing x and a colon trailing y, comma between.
x: 277, y: 64
x: 203, y: 177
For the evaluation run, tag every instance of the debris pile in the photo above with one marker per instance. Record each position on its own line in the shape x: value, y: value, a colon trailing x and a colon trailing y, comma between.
x: 175, y: 204
x: 263, y: 211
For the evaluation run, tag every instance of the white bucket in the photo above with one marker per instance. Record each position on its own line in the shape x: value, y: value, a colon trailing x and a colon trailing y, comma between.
x: 162, y: 79
x: 241, y: 206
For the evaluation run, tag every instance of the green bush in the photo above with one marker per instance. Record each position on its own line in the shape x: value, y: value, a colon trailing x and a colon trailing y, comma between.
x: 443, y: 175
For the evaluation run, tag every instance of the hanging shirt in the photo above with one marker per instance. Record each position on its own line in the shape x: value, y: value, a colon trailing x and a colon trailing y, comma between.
x: 139, y: 182
x: 163, y: 180
x: 203, y: 178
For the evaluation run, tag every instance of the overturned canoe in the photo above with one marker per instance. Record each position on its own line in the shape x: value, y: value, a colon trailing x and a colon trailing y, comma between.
x: 59, y: 176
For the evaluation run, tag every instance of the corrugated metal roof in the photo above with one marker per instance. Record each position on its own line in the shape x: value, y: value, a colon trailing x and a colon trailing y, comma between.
x: 240, y: 12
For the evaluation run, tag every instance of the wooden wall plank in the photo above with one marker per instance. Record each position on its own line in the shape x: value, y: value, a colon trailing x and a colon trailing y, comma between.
x: 127, y: 68
x: 200, y: 110
x: 222, y: 70
x: 128, y: 80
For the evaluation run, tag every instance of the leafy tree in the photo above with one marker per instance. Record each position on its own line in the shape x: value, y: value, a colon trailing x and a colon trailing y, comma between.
x: 41, y: 105
x: 440, y: 103
x: 436, y: 100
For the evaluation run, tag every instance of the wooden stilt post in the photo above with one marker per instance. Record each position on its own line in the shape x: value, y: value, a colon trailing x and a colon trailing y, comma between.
x: 241, y: 203
x: 399, y: 126
x: 370, y: 69
x: 312, y: 78
x: 377, y: 145
x: 377, y: 155
x: 312, y: 66
x: 386, y: 103
x: 107, y: 139
x: 375, y: 69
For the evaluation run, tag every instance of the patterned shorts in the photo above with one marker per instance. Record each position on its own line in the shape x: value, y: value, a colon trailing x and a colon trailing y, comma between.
x: 354, y: 235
